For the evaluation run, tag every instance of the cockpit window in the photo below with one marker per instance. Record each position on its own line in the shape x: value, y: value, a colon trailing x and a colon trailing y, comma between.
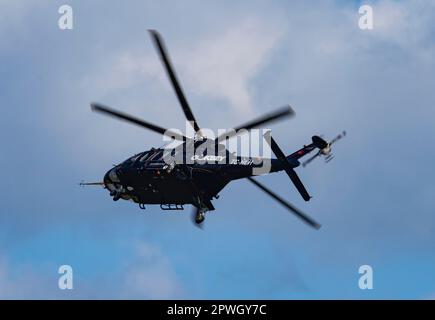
x: 134, y: 158
x: 144, y: 156
x: 157, y: 155
x: 113, y: 175
x: 151, y: 155
x: 138, y: 157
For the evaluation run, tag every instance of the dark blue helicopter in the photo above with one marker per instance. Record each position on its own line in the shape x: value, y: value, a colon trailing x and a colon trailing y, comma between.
x: 196, y: 178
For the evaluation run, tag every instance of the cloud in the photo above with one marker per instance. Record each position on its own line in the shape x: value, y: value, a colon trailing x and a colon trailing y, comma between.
x: 22, y: 282
x: 220, y: 65
x: 146, y: 274
x: 6, y: 287
x: 405, y: 25
x: 403, y: 22
x: 14, y: 16
x: 151, y: 275
x: 223, y: 65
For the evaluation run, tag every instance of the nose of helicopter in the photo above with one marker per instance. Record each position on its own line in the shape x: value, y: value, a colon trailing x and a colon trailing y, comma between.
x: 107, y: 181
x: 112, y: 182
x: 110, y: 179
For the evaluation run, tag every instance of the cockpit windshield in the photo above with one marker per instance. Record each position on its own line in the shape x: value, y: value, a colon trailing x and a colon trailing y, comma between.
x: 153, y: 155
x: 132, y: 159
x: 146, y: 155
x: 137, y: 157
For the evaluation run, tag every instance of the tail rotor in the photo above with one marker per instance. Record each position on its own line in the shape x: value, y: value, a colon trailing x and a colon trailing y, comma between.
x: 324, y: 148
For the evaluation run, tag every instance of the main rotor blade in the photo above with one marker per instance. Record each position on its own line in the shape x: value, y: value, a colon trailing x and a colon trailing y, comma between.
x: 289, y: 170
x: 270, y: 117
x: 126, y: 117
x: 286, y: 204
x: 164, y: 56
x: 310, y: 159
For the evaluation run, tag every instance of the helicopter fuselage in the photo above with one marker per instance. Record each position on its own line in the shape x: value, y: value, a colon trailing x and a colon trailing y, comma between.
x: 147, y: 179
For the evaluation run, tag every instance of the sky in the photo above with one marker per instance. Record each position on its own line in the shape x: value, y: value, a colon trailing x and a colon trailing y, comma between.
x: 236, y: 60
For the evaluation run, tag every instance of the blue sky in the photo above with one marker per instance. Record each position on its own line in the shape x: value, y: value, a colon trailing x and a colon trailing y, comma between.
x: 235, y: 61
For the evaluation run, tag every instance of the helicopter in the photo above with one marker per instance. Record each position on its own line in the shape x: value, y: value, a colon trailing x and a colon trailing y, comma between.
x: 149, y: 178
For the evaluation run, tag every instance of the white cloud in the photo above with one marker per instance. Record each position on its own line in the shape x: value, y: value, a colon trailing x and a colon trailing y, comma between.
x: 148, y: 274
x: 21, y: 282
x: 151, y: 275
x: 223, y: 65
x: 127, y: 69
x: 407, y: 24
x: 12, y: 18
x: 6, y: 288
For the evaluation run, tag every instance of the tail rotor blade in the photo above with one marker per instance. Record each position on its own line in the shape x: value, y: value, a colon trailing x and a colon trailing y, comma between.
x: 308, y: 220
x: 341, y: 135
